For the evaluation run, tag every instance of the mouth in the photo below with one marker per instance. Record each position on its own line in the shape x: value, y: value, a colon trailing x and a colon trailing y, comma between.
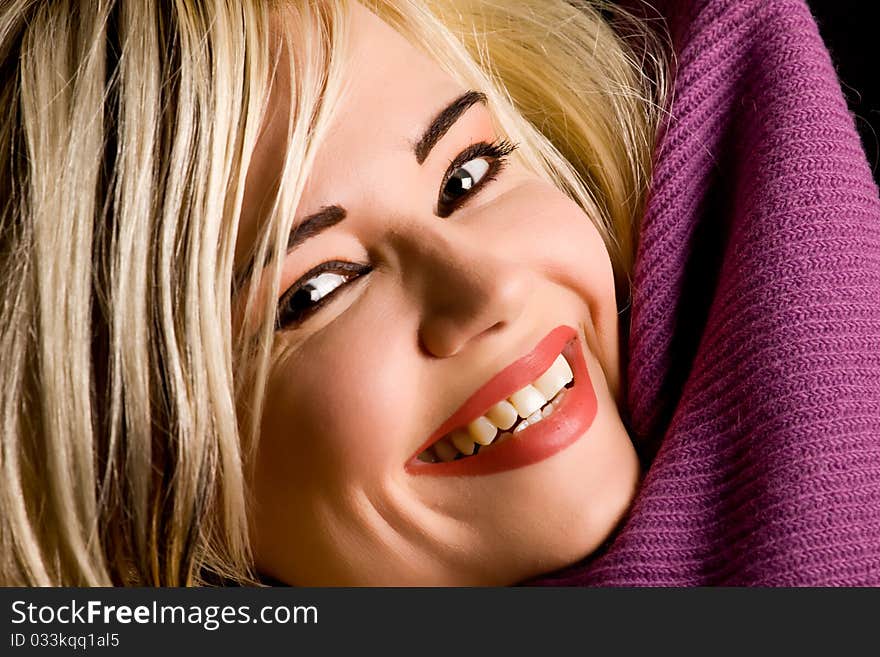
x: 527, y: 406
x: 530, y: 410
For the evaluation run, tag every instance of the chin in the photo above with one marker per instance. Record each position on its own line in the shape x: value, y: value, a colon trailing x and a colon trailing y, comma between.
x: 595, y: 511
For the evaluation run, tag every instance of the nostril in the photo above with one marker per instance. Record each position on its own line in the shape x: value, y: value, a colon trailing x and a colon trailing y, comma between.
x: 445, y: 338
x: 478, y: 302
x: 497, y: 326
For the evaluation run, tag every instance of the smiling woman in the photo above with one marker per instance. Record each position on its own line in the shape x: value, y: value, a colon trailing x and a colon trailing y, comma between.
x: 317, y: 292
x: 428, y: 223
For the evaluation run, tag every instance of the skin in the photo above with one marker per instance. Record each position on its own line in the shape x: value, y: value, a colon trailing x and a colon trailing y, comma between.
x: 360, y: 385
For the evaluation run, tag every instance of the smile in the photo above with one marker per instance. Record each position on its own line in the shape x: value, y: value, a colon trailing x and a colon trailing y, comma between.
x: 525, y: 407
x: 532, y: 409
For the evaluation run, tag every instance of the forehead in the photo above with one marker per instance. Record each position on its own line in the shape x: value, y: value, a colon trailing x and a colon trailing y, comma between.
x: 390, y: 92
x: 390, y: 76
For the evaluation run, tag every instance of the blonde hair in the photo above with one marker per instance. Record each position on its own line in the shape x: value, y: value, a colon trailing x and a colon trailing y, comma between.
x: 128, y: 415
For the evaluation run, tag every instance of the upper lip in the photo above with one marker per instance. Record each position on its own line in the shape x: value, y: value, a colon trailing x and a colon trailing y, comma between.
x: 512, y: 378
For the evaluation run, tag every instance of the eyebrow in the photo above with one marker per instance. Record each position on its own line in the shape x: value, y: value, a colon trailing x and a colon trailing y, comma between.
x: 330, y: 215
x: 314, y: 223
x: 441, y: 123
x: 311, y: 225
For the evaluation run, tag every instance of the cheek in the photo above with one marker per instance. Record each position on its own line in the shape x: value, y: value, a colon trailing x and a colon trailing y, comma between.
x: 550, y: 231
x: 337, y: 412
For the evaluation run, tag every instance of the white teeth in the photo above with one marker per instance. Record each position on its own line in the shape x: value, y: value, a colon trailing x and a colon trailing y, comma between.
x: 502, y: 415
x: 555, y: 378
x: 462, y: 441
x: 445, y: 450
x: 482, y: 431
x: 530, y: 403
x: 569, y: 375
x: 527, y: 400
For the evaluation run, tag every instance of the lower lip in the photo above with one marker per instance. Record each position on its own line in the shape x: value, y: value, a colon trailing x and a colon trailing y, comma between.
x: 537, y: 442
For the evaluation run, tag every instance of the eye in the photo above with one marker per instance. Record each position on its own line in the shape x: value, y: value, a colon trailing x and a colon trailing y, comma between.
x: 464, y: 179
x: 470, y: 170
x: 313, y: 289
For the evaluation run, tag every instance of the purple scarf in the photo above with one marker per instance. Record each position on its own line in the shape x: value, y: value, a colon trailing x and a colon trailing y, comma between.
x: 754, y: 348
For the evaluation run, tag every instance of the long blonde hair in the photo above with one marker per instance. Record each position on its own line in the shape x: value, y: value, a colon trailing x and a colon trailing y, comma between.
x: 128, y: 414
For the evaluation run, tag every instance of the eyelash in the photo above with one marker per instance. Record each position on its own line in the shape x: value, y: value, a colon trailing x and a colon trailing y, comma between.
x: 495, y: 152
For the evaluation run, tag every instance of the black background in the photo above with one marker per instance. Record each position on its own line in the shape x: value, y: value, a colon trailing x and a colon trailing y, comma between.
x: 850, y: 30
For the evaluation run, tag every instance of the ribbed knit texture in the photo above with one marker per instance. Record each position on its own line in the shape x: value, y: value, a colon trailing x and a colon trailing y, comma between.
x: 754, y: 351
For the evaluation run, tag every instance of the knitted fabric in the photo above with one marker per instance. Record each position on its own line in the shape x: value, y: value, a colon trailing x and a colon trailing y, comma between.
x: 754, y: 347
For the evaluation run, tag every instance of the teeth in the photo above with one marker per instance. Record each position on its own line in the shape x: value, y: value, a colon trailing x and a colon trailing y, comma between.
x: 445, y: 450
x: 555, y: 378
x: 530, y: 403
x: 502, y: 415
x: 527, y: 400
x: 482, y: 431
x: 462, y: 441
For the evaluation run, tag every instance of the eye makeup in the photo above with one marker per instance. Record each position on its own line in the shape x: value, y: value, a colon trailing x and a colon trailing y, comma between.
x: 457, y: 189
x: 459, y: 185
x: 311, y: 291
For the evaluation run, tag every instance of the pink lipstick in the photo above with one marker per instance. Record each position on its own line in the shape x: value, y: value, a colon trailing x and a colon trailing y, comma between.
x: 570, y: 420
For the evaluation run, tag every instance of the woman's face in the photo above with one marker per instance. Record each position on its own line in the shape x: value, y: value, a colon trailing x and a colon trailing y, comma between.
x: 446, y: 294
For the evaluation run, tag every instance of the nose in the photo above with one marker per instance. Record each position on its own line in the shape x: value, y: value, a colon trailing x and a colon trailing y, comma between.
x: 465, y: 287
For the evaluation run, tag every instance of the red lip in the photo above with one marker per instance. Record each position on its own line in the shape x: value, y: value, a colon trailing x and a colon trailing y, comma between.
x: 568, y: 422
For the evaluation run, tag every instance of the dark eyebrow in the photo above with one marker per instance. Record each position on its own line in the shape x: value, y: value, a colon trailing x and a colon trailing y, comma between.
x: 309, y: 226
x: 445, y: 120
x: 315, y: 223
x: 331, y: 215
